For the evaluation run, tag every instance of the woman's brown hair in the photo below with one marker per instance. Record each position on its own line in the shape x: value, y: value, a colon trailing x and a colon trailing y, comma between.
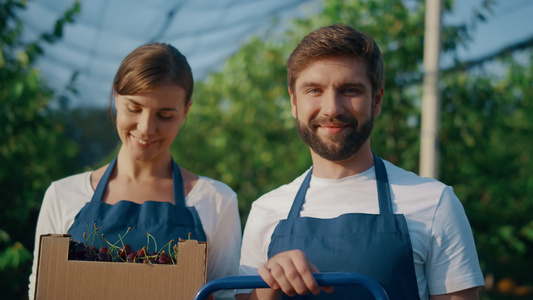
x: 153, y: 65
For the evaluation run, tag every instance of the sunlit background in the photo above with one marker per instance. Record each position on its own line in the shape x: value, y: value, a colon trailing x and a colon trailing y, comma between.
x: 208, y: 32
x: 58, y: 60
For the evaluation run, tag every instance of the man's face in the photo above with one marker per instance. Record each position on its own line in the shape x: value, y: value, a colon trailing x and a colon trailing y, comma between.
x: 334, y: 108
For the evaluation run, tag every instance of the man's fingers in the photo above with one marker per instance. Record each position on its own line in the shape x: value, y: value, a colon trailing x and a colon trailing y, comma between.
x: 265, y: 274
x: 327, y: 289
x: 284, y: 275
x: 291, y: 272
x: 306, y: 272
x: 297, y: 280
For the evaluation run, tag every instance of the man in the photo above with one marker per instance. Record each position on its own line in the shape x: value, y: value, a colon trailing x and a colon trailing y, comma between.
x: 353, y: 212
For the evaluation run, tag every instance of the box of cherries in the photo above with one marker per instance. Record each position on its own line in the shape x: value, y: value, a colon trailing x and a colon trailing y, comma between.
x: 99, y: 269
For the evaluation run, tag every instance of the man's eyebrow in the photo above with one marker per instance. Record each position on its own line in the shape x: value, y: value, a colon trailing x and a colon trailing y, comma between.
x: 307, y: 84
x: 358, y: 85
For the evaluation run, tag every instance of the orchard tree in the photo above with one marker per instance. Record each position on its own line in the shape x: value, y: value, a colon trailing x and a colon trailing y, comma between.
x: 241, y: 131
x: 33, y: 149
x: 486, y: 156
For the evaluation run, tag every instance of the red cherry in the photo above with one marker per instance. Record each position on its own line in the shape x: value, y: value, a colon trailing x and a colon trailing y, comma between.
x: 124, y: 251
x: 91, y: 249
x: 164, y: 258
x: 128, y: 248
x: 142, y: 252
x: 103, y: 257
x: 131, y: 257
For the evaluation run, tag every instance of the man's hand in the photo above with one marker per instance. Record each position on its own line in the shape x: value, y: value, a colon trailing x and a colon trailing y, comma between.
x: 292, y: 273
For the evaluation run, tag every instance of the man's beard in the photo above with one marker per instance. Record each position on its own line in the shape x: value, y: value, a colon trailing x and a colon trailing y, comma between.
x: 341, y: 146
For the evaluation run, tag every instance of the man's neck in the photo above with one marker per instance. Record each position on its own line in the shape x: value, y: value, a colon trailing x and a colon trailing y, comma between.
x: 358, y: 163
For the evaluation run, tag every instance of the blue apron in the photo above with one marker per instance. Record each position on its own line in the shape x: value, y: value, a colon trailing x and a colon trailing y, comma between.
x: 163, y: 220
x: 374, y: 245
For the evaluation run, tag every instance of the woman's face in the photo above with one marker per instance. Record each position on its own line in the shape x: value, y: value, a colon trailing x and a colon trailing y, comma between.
x: 148, y: 122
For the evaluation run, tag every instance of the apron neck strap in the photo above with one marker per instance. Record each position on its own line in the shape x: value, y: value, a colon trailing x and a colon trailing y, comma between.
x: 102, y: 184
x: 300, y: 197
x: 179, y: 193
x: 382, y: 181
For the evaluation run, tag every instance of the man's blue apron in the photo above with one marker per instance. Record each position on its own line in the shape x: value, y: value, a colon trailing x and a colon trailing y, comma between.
x: 163, y: 220
x: 375, y: 245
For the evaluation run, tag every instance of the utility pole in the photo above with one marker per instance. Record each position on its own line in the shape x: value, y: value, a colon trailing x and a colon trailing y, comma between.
x: 429, y: 133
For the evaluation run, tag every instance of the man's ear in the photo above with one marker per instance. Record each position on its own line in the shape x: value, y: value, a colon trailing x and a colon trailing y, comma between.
x: 293, y: 103
x: 378, y: 101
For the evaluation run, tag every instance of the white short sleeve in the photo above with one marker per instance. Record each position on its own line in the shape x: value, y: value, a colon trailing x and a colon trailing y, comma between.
x: 453, y: 263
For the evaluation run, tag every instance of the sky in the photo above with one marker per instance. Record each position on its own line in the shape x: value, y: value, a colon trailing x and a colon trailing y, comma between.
x: 510, y: 22
x: 206, y: 31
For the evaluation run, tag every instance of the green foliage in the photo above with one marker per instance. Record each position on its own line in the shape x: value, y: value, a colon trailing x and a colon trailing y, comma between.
x: 486, y: 157
x: 33, y: 149
x: 94, y: 129
x: 241, y: 131
x: 240, y: 128
x: 242, y: 114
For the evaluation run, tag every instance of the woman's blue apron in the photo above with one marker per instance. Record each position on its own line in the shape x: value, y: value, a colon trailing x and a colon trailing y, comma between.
x: 163, y: 220
x: 374, y: 245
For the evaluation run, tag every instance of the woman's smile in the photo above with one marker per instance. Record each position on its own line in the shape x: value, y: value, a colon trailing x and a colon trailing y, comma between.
x: 142, y: 142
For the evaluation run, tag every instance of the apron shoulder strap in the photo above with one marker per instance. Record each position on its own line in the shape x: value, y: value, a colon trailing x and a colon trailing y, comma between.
x: 102, y: 184
x: 300, y: 197
x: 179, y: 190
x: 382, y: 180
x: 179, y: 193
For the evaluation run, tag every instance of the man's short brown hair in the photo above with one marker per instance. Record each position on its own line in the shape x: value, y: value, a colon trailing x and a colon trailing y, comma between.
x: 337, y: 40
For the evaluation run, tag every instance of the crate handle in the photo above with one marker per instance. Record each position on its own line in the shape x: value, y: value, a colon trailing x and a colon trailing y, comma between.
x: 323, y: 279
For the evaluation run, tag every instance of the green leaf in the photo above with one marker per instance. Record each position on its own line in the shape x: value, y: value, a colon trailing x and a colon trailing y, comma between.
x: 58, y: 29
x: 14, y: 256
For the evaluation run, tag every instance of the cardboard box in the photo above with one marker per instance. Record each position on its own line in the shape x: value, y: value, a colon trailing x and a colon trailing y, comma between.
x: 59, y: 278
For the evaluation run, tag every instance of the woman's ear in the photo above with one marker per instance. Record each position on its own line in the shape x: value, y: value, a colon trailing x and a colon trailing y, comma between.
x: 115, y: 97
x: 188, y: 107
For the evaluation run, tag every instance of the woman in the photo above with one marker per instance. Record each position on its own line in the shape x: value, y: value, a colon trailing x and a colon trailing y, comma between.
x: 143, y: 188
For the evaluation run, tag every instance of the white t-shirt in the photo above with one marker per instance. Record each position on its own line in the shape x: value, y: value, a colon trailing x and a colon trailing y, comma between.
x: 215, y: 202
x: 444, y: 252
